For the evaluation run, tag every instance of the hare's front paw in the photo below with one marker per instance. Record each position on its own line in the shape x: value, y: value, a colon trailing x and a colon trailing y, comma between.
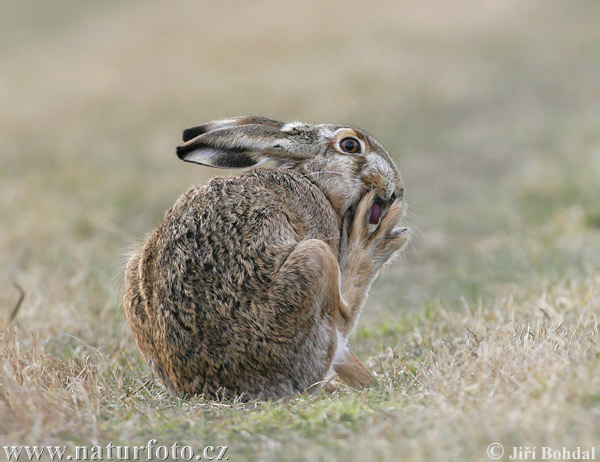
x: 374, y: 234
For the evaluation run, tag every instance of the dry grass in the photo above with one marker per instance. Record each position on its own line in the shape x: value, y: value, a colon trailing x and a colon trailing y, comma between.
x: 486, y: 330
x: 523, y: 372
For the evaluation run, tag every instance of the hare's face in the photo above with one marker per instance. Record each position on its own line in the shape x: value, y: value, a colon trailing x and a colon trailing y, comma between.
x: 344, y: 162
x: 350, y: 163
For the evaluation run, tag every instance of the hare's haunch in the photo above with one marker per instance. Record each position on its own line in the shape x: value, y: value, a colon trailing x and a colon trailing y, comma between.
x: 251, y: 284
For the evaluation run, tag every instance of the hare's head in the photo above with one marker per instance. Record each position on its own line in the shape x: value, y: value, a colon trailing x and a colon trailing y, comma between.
x: 344, y: 162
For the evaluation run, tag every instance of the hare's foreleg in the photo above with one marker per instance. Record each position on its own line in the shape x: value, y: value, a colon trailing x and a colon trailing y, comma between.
x: 363, y: 253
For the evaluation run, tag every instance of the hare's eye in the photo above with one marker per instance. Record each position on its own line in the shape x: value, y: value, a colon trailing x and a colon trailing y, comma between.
x: 351, y: 145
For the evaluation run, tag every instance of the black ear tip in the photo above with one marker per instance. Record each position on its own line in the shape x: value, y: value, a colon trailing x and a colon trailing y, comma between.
x: 191, y: 133
x: 182, y: 151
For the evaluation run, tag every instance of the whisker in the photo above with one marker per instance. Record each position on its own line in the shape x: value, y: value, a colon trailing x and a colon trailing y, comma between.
x: 324, y: 171
x: 329, y: 239
x: 414, y: 250
x: 416, y: 228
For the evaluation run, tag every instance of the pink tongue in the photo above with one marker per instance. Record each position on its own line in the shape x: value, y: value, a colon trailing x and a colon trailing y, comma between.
x: 375, y: 214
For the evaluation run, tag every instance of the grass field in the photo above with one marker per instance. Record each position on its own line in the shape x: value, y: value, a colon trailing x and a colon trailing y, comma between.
x: 486, y: 330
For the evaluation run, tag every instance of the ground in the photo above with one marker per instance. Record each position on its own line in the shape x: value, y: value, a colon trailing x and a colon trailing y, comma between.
x: 484, y: 331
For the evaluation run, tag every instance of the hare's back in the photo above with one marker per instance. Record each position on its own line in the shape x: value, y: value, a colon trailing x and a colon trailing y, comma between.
x: 222, y: 243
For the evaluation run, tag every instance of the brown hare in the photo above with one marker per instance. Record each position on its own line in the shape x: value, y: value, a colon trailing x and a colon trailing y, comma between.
x: 251, y: 284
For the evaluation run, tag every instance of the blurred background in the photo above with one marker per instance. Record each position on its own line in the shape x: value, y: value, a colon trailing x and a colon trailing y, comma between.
x: 490, y: 109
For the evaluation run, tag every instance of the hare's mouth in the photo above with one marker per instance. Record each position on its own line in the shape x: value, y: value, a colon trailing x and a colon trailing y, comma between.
x: 377, y: 212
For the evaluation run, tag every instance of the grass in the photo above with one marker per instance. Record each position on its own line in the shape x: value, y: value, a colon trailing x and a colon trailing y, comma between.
x: 485, y: 330
x: 523, y: 372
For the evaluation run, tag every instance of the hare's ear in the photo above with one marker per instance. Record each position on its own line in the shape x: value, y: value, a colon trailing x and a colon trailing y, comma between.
x: 241, y: 142
x: 193, y: 132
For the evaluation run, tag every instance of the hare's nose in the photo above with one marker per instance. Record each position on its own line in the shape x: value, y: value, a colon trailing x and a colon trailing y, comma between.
x: 398, y: 194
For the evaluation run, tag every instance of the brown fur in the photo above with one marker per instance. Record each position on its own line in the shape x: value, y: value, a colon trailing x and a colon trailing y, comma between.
x: 238, y: 291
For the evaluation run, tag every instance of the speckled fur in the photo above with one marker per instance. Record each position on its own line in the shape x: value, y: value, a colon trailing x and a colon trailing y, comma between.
x: 247, y: 282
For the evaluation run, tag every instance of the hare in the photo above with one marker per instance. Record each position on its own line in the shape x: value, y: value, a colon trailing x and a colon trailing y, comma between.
x: 251, y: 284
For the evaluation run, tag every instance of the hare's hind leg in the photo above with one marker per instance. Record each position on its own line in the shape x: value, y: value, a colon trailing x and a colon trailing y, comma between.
x: 137, y: 317
x: 135, y: 306
x: 308, y: 283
